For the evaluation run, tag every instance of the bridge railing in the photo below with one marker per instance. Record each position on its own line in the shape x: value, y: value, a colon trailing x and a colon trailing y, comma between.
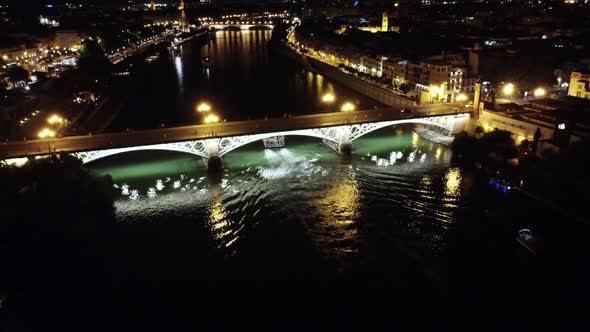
x: 196, y: 132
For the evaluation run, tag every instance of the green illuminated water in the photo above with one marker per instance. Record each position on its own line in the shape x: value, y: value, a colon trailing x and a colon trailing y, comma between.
x: 331, y: 196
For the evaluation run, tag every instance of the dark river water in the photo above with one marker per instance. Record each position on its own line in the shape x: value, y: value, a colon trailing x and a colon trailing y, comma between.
x: 246, y: 80
x: 397, y: 228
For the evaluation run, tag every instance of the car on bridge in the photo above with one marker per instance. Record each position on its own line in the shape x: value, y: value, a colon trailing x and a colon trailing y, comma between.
x: 406, y: 111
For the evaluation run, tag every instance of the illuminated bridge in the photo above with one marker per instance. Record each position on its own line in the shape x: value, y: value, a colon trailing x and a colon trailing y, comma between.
x: 211, y: 141
x: 244, y: 25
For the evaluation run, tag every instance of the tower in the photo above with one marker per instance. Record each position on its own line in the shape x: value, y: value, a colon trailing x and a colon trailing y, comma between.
x: 183, y: 21
x: 153, y: 4
x: 384, y: 22
x: 477, y: 100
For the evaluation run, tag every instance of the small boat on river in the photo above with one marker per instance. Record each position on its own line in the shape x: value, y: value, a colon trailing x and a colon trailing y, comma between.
x: 206, y: 62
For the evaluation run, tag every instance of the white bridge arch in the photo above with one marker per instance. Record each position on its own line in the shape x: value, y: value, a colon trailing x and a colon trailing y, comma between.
x: 220, y: 146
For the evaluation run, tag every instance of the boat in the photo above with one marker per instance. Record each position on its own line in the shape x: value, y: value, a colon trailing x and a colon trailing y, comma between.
x: 206, y: 62
x: 152, y: 58
x: 526, y: 239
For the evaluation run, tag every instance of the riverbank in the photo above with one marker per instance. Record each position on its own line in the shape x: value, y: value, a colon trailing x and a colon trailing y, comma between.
x: 334, y: 74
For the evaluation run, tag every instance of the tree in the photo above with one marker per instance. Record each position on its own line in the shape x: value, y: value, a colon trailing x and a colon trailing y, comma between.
x: 55, y: 222
x: 464, y: 146
x: 3, y: 87
x: 479, y: 131
x: 404, y: 88
x: 60, y: 188
x: 92, y: 61
x: 17, y: 74
x: 497, y: 145
x: 524, y: 147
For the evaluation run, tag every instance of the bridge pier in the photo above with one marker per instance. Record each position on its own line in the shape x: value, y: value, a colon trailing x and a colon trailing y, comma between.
x: 214, y: 163
x: 344, y: 148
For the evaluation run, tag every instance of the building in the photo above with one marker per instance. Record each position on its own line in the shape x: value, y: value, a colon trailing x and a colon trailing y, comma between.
x: 27, y: 58
x: 395, y: 70
x: 67, y: 39
x: 433, y: 80
x: 372, y: 65
x: 579, y: 85
x: 560, y: 121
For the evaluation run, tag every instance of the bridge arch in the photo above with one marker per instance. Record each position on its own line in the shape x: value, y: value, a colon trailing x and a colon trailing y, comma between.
x: 228, y: 144
x: 197, y: 148
x: 357, y: 131
x: 221, y: 146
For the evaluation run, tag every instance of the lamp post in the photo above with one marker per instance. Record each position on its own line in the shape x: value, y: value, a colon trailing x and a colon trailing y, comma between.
x: 46, y: 133
x: 211, y: 119
x: 508, y: 90
x: 55, y: 120
x: 347, y: 107
x: 539, y: 92
x: 203, y: 107
x: 461, y: 97
x: 328, y: 98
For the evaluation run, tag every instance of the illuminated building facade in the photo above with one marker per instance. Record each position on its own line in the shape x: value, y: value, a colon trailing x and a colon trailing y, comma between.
x: 579, y: 85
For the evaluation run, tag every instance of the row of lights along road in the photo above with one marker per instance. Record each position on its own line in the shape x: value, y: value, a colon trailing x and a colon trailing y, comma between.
x: 209, y: 118
x: 54, y: 120
x: 509, y: 89
x: 212, y: 118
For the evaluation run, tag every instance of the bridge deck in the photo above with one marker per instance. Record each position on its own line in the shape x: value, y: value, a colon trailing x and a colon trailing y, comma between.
x: 198, y: 132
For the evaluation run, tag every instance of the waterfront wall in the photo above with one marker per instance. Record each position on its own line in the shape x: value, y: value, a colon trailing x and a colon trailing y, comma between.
x: 372, y: 91
x: 287, y: 52
x: 521, y: 129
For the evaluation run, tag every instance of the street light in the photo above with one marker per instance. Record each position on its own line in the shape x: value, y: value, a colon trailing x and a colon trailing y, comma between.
x: 539, y: 92
x: 508, y: 89
x: 55, y: 119
x: 461, y: 97
x: 347, y: 107
x: 211, y: 119
x: 46, y: 133
x: 203, y: 107
x: 328, y: 98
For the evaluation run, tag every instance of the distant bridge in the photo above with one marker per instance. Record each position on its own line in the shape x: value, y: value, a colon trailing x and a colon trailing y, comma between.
x: 244, y: 25
x: 338, y: 130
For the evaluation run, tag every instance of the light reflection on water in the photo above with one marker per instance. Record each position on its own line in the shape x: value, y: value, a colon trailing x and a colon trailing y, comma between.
x: 333, y: 197
x: 338, y: 209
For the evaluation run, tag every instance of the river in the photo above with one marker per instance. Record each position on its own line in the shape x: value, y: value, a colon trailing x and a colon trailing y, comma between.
x: 246, y: 80
x: 397, y: 223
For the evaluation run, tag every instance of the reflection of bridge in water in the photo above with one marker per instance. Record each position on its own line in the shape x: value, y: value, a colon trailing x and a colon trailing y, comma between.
x: 337, y: 130
x: 243, y: 25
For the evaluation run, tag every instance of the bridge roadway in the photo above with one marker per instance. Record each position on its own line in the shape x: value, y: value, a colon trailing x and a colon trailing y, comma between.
x: 69, y: 144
